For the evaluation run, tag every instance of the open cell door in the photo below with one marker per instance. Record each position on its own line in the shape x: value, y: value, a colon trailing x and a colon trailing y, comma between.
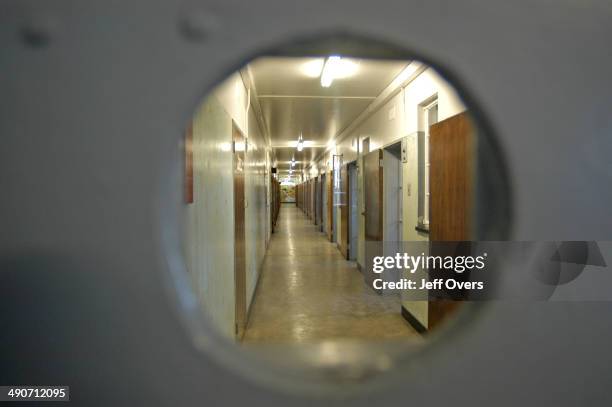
x: 310, y: 215
x: 318, y: 203
x: 239, y: 148
x: 373, y: 207
x: 307, y: 203
x: 343, y: 239
x: 311, y: 193
x: 330, y: 205
x: 353, y: 205
x: 315, y: 200
x: 451, y: 156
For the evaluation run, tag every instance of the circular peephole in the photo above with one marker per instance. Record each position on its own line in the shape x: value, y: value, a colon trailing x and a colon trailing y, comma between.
x: 313, y: 179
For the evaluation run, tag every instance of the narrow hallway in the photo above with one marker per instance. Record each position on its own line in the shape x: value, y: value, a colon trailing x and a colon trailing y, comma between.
x: 308, y: 292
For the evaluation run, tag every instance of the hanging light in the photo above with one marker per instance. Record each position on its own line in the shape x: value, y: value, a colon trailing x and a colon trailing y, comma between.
x: 300, y: 143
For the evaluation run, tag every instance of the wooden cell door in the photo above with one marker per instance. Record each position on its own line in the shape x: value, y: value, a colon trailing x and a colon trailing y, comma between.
x: 239, y: 148
x: 343, y: 238
x: 373, y: 210
x: 307, y: 198
x: 451, y: 156
x: 373, y: 183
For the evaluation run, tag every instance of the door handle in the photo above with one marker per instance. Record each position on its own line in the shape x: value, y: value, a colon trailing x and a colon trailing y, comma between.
x: 363, y: 213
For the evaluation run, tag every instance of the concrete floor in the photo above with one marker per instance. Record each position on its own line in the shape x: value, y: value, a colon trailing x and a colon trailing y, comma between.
x: 309, y: 293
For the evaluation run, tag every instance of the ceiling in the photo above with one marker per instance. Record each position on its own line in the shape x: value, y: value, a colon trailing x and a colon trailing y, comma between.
x: 293, y: 102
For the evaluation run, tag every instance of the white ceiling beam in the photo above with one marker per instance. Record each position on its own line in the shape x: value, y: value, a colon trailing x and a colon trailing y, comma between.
x: 315, y: 97
x: 293, y: 144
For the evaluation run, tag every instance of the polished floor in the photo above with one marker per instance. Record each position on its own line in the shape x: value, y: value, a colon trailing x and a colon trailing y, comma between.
x: 309, y: 293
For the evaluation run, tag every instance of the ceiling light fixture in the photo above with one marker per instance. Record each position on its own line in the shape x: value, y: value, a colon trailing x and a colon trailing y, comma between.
x: 335, y: 67
x: 313, y: 67
x: 300, y: 143
x: 329, y: 68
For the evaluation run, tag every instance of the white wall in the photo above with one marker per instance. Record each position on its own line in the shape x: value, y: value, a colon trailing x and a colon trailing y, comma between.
x: 256, y: 221
x: 209, y: 221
